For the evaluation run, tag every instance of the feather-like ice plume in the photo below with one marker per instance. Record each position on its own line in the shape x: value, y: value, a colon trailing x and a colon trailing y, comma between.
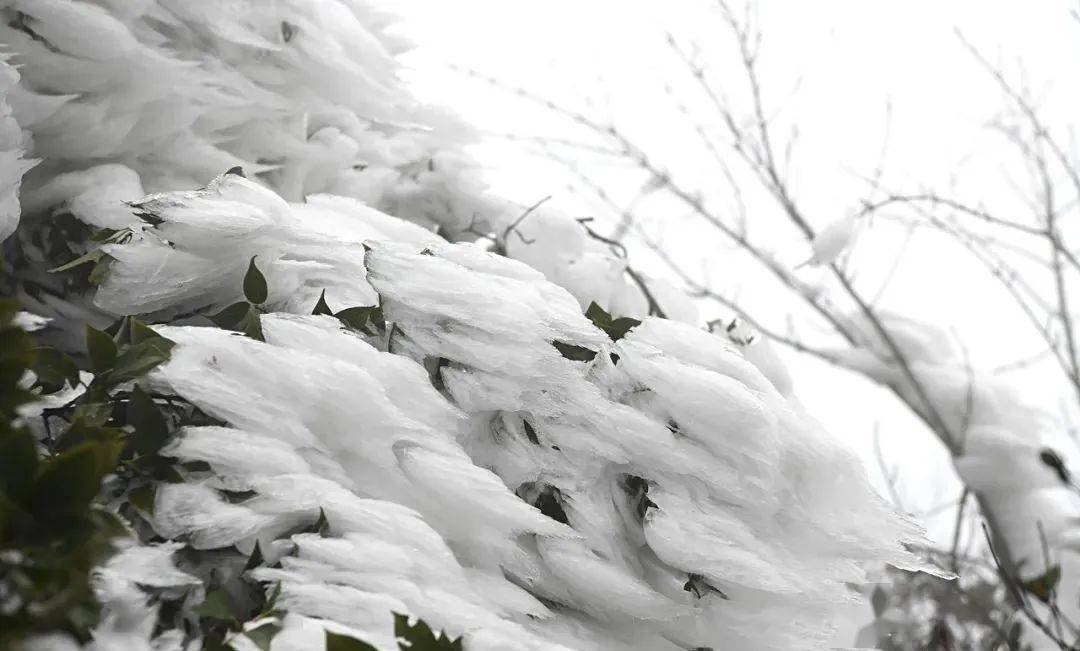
x: 12, y: 149
x: 667, y: 457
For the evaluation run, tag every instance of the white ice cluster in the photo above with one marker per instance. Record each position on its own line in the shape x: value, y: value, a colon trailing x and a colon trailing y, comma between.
x: 124, y: 98
x: 662, y: 495
x: 1004, y: 444
x: 12, y: 147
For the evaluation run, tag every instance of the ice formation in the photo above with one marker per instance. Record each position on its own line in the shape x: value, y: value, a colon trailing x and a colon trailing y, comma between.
x: 999, y: 437
x: 12, y: 147
x: 832, y: 241
x: 663, y: 494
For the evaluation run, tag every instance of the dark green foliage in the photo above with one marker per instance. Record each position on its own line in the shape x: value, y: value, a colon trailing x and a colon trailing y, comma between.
x: 246, y: 316
x: 255, y: 289
x: 1044, y: 585
x: 151, y: 432
x: 321, y: 307
x: 638, y: 490
x: 321, y: 525
x: 336, y: 642
x: 419, y: 636
x: 615, y: 328
x: 574, y: 352
x: 550, y: 504
x: 230, y: 607
x: 240, y: 317
x: 974, y: 612
x: 232, y: 316
x: 359, y: 318
x: 264, y: 635
x: 50, y: 528
x: 416, y: 636
x: 101, y: 349
x: 53, y: 368
x: 531, y: 433
x: 699, y: 587
x: 252, y: 325
x: 1053, y: 460
x: 96, y: 254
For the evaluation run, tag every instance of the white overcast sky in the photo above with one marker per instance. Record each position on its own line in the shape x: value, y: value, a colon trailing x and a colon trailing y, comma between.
x: 854, y: 58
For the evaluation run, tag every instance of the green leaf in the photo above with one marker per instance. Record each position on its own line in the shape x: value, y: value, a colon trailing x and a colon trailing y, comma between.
x: 264, y: 635
x: 358, y: 318
x: 101, y: 269
x: 256, y: 558
x: 140, y: 332
x: 151, y: 430
x: 255, y: 284
x: 86, y: 258
x: 322, y: 525
x: 142, y: 498
x: 321, y: 307
x: 104, y: 234
x: 101, y: 349
x: 699, y: 587
x: 1043, y: 586
x: 616, y: 329
x: 231, y: 317
x: 53, y: 368
x: 80, y: 431
x: 573, y: 352
x: 120, y: 330
x: 531, y: 433
x: 95, y: 410
x: 109, y: 235
x: 620, y: 326
x: 419, y: 636
x: 217, y: 605
x: 252, y: 325
x: 598, y: 315
x: 68, y: 481
x: 18, y: 461
x: 337, y: 642
x: 271, y: 600
x: 139, y: 359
